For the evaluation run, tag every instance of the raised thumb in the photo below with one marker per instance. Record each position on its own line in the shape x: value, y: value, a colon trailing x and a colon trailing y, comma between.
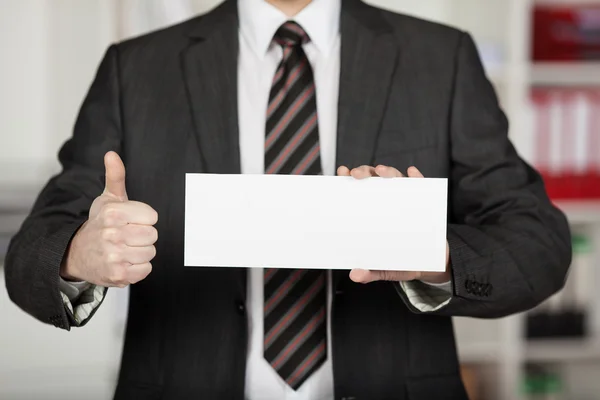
x: 115, y: 176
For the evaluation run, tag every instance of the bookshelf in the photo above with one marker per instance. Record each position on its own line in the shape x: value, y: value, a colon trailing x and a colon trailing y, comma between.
x: 581, y: 212
x: 565, y: 73
x: 566, y: 350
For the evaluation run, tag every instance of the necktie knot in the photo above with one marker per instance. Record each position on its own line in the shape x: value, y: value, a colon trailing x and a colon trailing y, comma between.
x: 291, y: 34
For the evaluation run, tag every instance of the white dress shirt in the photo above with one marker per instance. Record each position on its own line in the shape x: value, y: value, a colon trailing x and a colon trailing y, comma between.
x: 258, y: 61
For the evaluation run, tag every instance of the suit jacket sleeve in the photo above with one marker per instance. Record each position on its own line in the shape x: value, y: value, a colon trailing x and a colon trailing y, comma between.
x: 36, y: 252
x: 509, y: 246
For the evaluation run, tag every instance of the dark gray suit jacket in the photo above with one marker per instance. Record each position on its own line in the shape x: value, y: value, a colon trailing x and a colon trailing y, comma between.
x: 411, y: 93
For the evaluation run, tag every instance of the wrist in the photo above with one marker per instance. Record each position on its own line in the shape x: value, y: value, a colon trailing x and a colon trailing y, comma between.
x: 67, y: 269
x: 436, y: 278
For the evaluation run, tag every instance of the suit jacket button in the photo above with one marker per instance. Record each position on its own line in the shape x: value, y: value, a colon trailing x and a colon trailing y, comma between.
x: 481, y: 289
x: 469, y: 286
x: 488, y: 290
x: 241, y: 308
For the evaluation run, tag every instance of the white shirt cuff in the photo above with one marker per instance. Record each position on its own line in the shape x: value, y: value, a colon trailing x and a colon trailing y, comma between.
x: 73, y: 289
x: 81, y: 298
x: 446, y: 286
x: 427, y: 297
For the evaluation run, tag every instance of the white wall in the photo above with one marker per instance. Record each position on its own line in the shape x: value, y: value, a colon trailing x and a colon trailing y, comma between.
x: 50, y: 53
x: 78, y: 34
x: 24, y: 114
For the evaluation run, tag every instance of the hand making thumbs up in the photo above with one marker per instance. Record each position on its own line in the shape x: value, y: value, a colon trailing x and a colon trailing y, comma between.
x: 116, y: 244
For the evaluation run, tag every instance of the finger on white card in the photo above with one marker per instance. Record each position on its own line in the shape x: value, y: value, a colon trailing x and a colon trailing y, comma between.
x: 362, y: 172
x: 343, y: 171
x: 361, y: 276
x: 388, y: 172
x: 413, y: 172
x: 365, y: 276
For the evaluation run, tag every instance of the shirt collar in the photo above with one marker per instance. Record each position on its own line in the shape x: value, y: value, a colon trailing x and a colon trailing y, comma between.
x: 260, y: 20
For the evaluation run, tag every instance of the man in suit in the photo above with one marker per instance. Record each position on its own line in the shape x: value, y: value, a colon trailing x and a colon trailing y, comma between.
x: 287, y: 87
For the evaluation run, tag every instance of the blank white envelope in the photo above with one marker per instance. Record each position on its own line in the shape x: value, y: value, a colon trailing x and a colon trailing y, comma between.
x: 324, y: 222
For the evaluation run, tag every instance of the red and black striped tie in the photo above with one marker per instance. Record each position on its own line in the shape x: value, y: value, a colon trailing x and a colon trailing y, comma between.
x: 295, y: 341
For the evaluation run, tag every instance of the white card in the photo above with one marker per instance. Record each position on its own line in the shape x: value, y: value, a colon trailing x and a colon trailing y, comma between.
x: 327, y: 222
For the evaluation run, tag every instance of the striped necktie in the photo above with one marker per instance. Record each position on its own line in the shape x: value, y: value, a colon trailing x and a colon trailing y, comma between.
x: 295, y: 339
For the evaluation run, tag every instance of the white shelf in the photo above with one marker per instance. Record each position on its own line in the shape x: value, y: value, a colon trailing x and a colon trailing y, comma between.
x: 565, y: 73
x: 581, y: 212
x: 567, y: 2
x: 479, y: 353
x: 562, y: 350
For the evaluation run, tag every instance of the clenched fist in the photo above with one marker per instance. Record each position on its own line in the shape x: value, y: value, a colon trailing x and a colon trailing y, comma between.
x: 115, y: 245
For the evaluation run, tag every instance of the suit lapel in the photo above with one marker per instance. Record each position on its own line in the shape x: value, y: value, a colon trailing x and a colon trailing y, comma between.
x: 368, y: 60
x: 210, y: 69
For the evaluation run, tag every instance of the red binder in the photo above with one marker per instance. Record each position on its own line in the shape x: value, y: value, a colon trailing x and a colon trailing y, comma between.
x: 567, y: 141
x: 566, y: 32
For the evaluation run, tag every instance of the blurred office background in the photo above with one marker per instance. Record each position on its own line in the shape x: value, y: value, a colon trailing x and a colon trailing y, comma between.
x: 542, y: 56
